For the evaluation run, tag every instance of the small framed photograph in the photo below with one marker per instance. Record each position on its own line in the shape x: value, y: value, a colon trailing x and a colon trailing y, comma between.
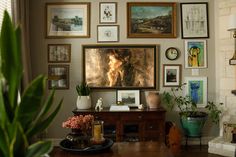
x: 59, y: 53
x: 194, y: 20
x: 108, y: 33
x: 58, y: 76
x: 172, y: 75
x: 195, y: 54
x: 128, y: 97
x: 108, y: 12
x: 67, y: 20
x: 196, y: 88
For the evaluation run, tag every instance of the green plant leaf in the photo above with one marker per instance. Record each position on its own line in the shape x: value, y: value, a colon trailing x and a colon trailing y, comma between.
x: 31, y: 102
x: 48, y: 104
x: 4, y: 142
x: 3, y: 115
x: 38, y: 149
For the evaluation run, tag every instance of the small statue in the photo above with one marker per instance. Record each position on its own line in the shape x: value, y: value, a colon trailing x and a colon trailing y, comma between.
x: 99, y: 104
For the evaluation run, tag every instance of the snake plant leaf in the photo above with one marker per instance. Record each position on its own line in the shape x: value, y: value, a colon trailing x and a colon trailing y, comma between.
x: 11, y: 66
x: 3, y: 115
x: 31, y: 102
x: 4, y: 142
x: 47, y: 104
x: 39, y: 149
x: 42, y: 125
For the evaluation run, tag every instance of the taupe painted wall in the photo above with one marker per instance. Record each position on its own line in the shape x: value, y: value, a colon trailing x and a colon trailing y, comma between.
x: 38, y: 48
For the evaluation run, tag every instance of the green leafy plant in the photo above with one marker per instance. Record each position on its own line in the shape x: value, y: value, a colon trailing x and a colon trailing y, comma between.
x: 21, y: 120
x: 83, y: 89
x: 187, y: 107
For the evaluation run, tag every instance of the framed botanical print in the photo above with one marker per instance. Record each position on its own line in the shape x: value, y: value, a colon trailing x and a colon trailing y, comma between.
x: 107, y: 12
x: 151, y: 20
x: 108, y: 33
x: 120, y: 66
x: 58, y: 76
x: 67, y: 20
x: 195, y: 54
x: 196, y: 89
x: 194, y: 20
x: 172, y: 75
x: 128, y: 97
x: 59, y: 53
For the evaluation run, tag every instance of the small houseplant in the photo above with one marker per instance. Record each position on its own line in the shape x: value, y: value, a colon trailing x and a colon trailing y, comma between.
x: 83, y: 99
x: 192, y: 120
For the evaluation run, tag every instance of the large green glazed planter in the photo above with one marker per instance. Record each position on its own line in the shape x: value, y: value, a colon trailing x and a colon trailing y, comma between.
x: 192, y: 125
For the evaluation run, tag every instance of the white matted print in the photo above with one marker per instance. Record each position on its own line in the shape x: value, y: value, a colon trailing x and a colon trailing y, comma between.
x: 128, y: 97
x: 108, y: 12
x: 108, y: 33
x: 171, y: 75
x: 59, y: 53
x: 195, y: 54
x: 196, y: 88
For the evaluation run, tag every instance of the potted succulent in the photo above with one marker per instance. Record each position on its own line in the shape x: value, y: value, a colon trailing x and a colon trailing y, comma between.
x: 83, y: 100
x: 192, y: 120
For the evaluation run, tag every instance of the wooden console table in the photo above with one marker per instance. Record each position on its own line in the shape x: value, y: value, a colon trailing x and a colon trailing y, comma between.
x: 141, y: 125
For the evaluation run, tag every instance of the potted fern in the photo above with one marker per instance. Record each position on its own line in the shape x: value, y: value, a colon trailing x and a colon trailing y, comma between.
x: 83, y: 100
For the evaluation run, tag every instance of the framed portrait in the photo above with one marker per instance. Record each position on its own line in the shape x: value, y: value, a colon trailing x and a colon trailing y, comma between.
x: 128, y: 97
x: 196, y: 88
x: 59, y: 53
x: 107, y: 12
x: 58, y: 76
x: 194, y: 20
x: 195, y: 54
x: 120, y: 66
x: 67, y: 20
x: 172, y: 75
x: 151, y: 20
x: 108, y: 33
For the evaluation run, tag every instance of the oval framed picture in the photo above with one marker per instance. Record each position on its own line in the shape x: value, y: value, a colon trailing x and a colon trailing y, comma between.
x: 172, y: 53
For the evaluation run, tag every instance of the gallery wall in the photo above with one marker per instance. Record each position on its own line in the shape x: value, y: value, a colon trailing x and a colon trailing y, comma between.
x: 38, y: 49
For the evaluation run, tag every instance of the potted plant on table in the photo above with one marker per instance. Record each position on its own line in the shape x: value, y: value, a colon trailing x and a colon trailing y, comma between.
x: 83, y: 100
x: 192, y: 120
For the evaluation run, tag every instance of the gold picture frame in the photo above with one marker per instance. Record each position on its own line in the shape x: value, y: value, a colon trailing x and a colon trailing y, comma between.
x: 59, y: 53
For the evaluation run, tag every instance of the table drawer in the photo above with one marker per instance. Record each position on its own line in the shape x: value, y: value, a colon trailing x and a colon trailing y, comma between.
x: 132, y: 117
x: 152, y: 125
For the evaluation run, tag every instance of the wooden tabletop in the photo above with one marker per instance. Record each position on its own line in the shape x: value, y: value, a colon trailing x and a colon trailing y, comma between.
x: 124, y: 149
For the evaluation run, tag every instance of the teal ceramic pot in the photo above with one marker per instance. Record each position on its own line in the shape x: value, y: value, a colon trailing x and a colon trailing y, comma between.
x: 193, y: 124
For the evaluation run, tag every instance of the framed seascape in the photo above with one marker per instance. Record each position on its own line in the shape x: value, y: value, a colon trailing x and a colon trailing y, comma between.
x: 67, y: 20
x: 151, y: 20
x: 120, y: 66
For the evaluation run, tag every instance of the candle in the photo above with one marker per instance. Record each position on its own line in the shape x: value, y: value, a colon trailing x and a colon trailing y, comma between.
x: 97, y: 132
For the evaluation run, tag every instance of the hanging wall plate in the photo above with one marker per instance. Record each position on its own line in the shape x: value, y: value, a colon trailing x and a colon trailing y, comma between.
x: 172, y: 53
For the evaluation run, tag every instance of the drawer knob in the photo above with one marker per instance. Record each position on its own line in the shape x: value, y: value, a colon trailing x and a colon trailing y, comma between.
x: 140, y: 117
x: 151, y: 127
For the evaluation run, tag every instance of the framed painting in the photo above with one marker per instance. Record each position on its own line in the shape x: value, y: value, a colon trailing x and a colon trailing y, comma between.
x: 58, y: 76
x: 195, y: 54
x: 59, y: 53
x: 67, y: 20
x: 120, y: 66
x: 172, y: 75
x: 196, y: 88
x: 107, y: 12
x: 108, y: 33
x: 151, y: 20
x: 194, y: 20
x: 130, y: 98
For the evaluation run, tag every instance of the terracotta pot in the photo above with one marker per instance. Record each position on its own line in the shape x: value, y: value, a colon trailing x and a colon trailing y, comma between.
x: 153, y: 99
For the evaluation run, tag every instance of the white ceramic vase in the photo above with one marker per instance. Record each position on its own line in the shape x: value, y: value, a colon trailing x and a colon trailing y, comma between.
x: 83, y: 102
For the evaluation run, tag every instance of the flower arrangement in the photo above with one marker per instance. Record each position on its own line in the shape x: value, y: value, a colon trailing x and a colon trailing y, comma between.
x: 83, y: 123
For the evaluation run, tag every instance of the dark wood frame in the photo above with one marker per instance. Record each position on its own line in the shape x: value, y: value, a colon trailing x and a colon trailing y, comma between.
x: 67, y: 67
x: 180, y: 75
x: 100, y: 12
x: 68, y: 3
x: 118, y: 32
x: 69, y: 46
x: 181, y: 12
x: 156, y: 64
x: 143, y: 35
x: 128, y: 90
x: 178, y: 53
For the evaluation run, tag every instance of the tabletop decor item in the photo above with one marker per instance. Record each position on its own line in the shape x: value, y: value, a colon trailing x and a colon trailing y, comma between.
x: 83, y: 99
x: 81, y: 130
x: 172, y: 53
x: 107, y: 12
x: 130, y: 98
x: 97, y: 132
x: 153, y: 99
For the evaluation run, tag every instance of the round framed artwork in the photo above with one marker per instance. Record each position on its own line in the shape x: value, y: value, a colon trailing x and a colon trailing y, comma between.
x: 172, y: 53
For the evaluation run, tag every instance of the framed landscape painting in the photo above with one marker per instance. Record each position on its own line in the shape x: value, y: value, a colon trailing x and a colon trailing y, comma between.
x: 59, y: 53
x: 120, y: 66
x: 128, y: 97
x: 194, y: 20
x: 58, y: 76
x: 172, y: 75
x: 151, y: 20
x: 195, y: 54
x: 67, y: 20
x: 196, y: 88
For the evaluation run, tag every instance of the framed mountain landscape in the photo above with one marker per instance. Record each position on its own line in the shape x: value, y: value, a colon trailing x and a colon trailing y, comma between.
x: 151, y: 20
